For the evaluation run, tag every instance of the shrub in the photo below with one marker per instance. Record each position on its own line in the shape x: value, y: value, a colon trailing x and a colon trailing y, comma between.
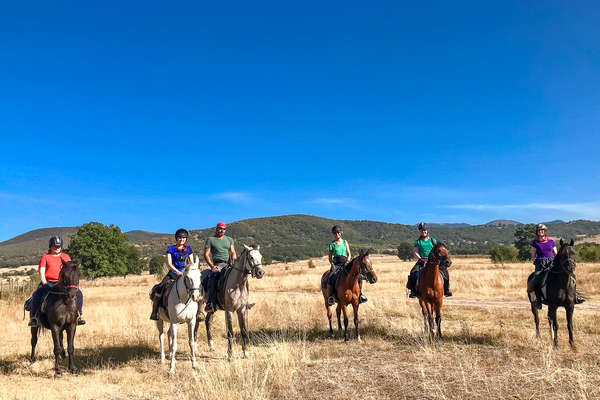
x: 589, y: 252
x: 405, y: 251
x: 311, y: 264
x: 156, y: 265
x: 524, y: 235
x: 502, y: 253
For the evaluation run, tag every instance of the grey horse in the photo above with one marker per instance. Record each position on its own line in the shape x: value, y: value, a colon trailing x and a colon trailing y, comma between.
x: 234, y: 297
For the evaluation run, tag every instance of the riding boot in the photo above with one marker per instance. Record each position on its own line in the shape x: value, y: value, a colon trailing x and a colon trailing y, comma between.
x: 154, y: 315
x: 410, y: 285
x: 80, y: 320
x: 447, y: 291
x: 33, y: 320
x: 361, y: 296
x: 330, y: 295
x: 211, y: 302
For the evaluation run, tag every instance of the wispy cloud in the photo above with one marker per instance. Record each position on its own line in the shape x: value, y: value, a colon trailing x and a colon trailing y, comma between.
x: 336, y: 201
x: 584, y: 209
x: 238, y: 197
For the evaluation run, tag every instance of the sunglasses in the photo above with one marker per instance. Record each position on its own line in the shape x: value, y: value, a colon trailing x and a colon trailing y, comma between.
x: 221, y: 229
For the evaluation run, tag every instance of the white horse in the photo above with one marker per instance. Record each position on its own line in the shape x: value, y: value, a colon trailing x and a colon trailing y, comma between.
x: 235, y: 297
x: 182, y: 307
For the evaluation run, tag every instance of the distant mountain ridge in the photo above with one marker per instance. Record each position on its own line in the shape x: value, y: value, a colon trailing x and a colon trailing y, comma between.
x: 500, y: 222
x: 292, y: 237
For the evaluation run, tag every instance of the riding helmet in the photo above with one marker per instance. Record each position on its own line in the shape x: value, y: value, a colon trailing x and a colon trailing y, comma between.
x: 422, y: 226
x: 336, y: 229
x: 540, y: 227
x: 55, y: 241
x: 181, y: 233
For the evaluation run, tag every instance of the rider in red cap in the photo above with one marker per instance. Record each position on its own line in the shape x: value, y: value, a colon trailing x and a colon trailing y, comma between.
x: 218, y: 253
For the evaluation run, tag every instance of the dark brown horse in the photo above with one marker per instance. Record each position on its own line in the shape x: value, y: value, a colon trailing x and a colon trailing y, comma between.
x: 431, y: 289
x: 560, y: 292
x: 347, y: 290
x: 61, y: 315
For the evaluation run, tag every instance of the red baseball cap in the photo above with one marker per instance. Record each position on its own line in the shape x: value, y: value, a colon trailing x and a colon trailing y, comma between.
x: 221, y: 225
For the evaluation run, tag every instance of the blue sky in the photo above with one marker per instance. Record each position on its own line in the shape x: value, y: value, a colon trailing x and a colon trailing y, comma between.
x: 153, y: 116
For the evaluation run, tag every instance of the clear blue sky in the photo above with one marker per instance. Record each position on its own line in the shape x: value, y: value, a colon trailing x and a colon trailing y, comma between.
x: 153, y: 116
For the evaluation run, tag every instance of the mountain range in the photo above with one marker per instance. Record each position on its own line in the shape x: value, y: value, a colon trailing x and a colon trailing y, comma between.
x: 292, y: 237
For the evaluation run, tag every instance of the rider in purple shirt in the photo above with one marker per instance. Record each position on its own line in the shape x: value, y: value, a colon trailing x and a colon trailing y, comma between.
x: 543, y: 249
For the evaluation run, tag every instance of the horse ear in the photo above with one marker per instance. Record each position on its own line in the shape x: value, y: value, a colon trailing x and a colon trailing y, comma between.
x: 367, y: 253
x: 561, y: 241
x: 572, y: 242
x: 258, y: 247
x: 64, y: 263
x: 361, y: 253
x: 247, y: 247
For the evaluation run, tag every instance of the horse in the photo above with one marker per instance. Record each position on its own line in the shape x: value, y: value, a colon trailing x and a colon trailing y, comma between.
x: 182, y: 306
x: 234, y: 297
x: 61, y: 315
x: 560, y: 291
x: 348, y: 291
x: 431, y: 289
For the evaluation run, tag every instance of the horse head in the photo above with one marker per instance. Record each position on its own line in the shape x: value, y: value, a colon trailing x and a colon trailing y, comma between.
x: 69, y: 277
x: 253, y: 262
x: 366, y: 267
x: 565, y: 259
x: 439, y: 251
x: 192, y: 277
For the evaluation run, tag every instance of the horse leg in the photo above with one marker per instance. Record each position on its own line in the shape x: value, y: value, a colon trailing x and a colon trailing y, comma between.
x: 424, y: 313
x: 71, y: 346
x: 536, y: 319
x: 192, y: 341
x: 62, y: 347
x: 161, y: 339
x: 438, y: 321
x: 355, y: 312
x: 338, y: 312
x: 329, y: 316
x: 569, y: 311
x: 55, y: 338
x: 430, y: 320
x: 242, y: 314
x: 229, y: 328
x: 345, y: 311
x: 552, y: 320
x: 173, y: 336
x: 34, y: 339
x: 208, y: 323
x: 170, y: 339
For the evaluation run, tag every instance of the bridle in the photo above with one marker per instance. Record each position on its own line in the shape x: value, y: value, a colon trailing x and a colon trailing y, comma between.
x: 558, y: 264
x: 246, y: 262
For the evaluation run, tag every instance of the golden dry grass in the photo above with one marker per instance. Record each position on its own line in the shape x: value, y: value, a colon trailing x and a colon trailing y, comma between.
x: 489, y: 349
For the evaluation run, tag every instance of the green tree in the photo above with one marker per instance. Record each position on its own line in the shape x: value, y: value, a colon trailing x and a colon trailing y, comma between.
x: 589, y: 252
x: 101, y: 250
x: 135, y: 263
x: 524, y: 235
x: 405, y: 251
x: 156, y: 266
x: 502, y: 253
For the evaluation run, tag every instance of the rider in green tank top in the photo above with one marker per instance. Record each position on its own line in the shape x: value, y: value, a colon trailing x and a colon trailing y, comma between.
x: 339, y: 254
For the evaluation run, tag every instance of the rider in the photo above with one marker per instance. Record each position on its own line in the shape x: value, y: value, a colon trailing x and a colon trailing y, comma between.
x: 542, y: 251
x: 219, y: 252
x: 339, y: 254
x: 422, y: 247
x: 49, y: 267
x: 176, y: 256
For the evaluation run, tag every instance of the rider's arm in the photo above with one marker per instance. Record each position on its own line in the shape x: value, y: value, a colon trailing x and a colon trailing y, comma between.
x: 533, y: 253
x: 232, y: 254
x: 170, y: 264
x: 331, y: 259
x: 43, y: 276
x: 208, y: 259
x: 554, y: 251
x: 416, y: 253
x: 348, y: 250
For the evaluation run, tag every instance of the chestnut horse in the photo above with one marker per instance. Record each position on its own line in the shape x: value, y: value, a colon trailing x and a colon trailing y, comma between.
x: 431, y: 289
x: 348, y: 291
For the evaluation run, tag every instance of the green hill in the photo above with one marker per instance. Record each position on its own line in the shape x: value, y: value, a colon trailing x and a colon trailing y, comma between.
x: 293, y: 237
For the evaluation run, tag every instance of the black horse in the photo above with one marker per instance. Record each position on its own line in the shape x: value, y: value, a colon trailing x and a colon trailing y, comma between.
x: 560, y: 291
x: 60, y: 315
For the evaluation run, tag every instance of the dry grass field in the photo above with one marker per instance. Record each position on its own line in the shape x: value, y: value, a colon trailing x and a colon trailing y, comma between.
x: 489, y: 349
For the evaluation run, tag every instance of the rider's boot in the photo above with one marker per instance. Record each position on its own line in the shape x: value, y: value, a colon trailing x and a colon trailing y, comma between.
x: 410, y: 285
x: 80, y: 320
x: 154, y: 315
x: 211, y: 302
x: 33, y: 321
x: 361, y: 296
x: 447, y: 291
x: 330, y: 297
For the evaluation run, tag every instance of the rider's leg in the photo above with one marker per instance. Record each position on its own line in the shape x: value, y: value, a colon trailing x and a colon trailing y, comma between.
x: 330, y: 294
x: 36, y: 304
x: 80, y: 320
x: 212, y: 283
x: 447, y: 291
x: 157, y: 296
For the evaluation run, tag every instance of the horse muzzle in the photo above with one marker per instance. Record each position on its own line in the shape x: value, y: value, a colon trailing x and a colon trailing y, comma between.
x: 371, y: 277
x: 258, y: 272
x: 196, y: 295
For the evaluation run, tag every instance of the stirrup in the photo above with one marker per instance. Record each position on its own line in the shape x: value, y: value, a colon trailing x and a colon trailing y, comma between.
x: 33, y: 322
x: 330, y: 300
x: 210, y: 307
x: 362, y: 299
x: 448, y: 294
x: 80, y: 321
x: 412, y: 294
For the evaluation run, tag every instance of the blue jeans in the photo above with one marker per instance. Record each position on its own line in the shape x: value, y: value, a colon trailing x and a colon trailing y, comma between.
x: 38, y: 297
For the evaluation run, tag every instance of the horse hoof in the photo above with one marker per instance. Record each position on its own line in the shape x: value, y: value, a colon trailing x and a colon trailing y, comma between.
x: 73, y: 371
x: 172, y: 371
x: 245, y: 354
x: 359, y: 339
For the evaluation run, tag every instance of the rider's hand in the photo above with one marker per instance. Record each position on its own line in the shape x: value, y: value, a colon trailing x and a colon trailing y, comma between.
x: 178, y: 273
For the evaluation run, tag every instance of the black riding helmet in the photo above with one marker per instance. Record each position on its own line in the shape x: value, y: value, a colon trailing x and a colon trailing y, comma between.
x: 422, y: 226
x: 181, y: 233
x: 336, y: 229
x: 55, y: 241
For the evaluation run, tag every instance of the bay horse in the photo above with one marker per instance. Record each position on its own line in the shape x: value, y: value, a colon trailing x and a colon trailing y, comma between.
x: 431, y: 289
x: 61, y: 315
x: 560, y: 292
x: 234, y: 296
x: 182, y: 307
x: 348, y: 290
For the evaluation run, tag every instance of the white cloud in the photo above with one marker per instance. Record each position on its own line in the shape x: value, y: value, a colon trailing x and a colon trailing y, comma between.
x: 241, y: 197
x: 585, y: 209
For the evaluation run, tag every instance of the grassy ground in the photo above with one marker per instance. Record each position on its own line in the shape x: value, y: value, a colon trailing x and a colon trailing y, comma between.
x: 489, y: 349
